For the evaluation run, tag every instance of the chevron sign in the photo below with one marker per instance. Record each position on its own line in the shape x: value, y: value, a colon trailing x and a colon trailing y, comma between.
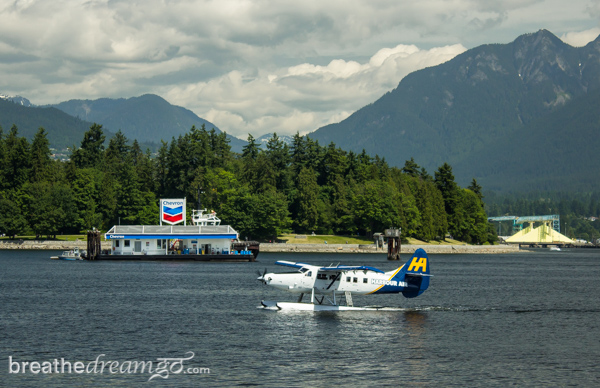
x: 172, y: 211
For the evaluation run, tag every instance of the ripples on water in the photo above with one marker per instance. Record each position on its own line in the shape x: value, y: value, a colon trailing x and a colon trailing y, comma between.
x: 521, y: 319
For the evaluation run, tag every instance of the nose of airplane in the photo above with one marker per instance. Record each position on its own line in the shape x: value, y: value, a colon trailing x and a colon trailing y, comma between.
x: 262, y: 278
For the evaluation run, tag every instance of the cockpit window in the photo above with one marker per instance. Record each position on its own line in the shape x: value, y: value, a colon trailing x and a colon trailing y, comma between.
x: 309, y: 274
x: 303, y: 270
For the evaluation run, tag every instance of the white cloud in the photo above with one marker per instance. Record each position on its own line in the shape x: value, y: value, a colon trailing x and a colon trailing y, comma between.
x: 580, y: 38
x: 303, y: 97
x: 253, y: 65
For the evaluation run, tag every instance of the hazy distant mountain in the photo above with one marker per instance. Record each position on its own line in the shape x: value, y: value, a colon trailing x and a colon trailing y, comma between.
x: 16, y: 99
x: 63, y: 130
x: 506, y: 100
x: 148, y: 118
x: 264, y: 139
x: 557, y: 152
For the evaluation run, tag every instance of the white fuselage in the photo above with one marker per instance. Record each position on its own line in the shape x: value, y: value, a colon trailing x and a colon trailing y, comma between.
x: 359, y: 282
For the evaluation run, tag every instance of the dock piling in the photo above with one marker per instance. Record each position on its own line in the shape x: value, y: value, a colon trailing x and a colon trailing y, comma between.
x: 393, y: 243
x: 93, y: 244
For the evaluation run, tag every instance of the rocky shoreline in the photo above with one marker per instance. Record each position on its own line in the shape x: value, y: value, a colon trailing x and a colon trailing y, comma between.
x: 370, y: 248
x: 50, y: 245
x: 288, y: 248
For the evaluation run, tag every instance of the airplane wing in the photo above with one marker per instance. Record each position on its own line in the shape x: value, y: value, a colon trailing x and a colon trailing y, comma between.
x: 351, y: 268
x: 337, y: 268
x: 292, y: 264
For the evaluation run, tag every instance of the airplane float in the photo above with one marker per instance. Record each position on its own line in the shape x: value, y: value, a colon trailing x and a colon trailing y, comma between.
x: 327, y: 285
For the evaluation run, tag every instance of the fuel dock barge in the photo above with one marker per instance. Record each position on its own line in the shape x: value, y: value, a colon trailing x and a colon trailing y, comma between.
x: 205, y: 240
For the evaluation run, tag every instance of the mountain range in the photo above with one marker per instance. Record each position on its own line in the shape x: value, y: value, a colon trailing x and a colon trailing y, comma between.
x: 16, y: 99
x: 62, y: 129
x: 522, y: 116
x: 517, y: 116
x: 264, y: 139
x: 148, y: 118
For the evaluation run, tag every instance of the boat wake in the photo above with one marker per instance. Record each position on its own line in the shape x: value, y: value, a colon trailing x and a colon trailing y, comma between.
x: 287, y: 306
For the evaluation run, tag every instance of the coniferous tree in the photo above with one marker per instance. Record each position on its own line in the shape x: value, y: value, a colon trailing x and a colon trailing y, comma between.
x: 220, y: 148
x: 424, y: 202
x: 117, y: 151
x: 2, y: 158
x: 299, y: 154
x: 129, y: 197
x: 444, y: 180
x: 107, y: 201
x: 85, y: 195
x: 251, y: 150
x: 341, y: 205
x: 279, y: 157
x: 264, y: 175
x: 18, y: 164
x: 249, y: 156
x: 411, y: 168
x: 12, y: 221
x: 476, y: 188
x: 92, y: 148
x: 323, y: 189
x: 161, y: 170
x: 41, y: 164
x: 333, y: 164
x: 477, y: 232
x: 307, y: 212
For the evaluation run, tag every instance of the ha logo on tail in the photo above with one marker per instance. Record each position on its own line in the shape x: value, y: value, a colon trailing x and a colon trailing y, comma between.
x: 327, y: 285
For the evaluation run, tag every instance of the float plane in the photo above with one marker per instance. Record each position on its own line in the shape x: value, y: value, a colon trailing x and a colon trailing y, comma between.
x: 327, y: 286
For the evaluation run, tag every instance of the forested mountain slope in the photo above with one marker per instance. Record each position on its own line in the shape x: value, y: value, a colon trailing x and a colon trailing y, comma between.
x: 489, y: 96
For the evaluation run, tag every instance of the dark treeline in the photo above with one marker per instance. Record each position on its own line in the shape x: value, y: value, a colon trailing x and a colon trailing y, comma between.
x: 303, y: 187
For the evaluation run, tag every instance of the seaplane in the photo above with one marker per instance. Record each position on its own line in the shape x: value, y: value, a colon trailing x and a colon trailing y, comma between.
x: 331, y: 288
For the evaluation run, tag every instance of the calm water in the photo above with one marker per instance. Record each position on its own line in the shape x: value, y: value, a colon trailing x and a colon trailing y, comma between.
x: 526, y: 319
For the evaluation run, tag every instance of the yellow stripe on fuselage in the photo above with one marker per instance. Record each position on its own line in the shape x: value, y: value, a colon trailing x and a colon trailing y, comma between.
x: 394, y: 274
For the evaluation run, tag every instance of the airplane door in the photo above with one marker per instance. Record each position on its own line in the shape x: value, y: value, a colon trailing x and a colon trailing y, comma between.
x: 307, y: 280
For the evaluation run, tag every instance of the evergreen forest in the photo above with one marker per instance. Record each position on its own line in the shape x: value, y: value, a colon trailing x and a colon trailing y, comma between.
x: 303, y: 188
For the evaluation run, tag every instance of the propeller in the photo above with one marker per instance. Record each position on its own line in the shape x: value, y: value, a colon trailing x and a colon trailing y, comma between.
x: 261, y: 276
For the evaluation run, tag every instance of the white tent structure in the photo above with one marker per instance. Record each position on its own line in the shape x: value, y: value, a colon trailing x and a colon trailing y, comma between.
x: 543, y: 234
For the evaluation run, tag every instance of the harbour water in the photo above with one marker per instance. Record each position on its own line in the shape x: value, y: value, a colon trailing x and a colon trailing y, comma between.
x: 525, y: 319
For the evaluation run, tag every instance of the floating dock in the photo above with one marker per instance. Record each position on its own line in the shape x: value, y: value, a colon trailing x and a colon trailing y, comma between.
x: 205, y: 240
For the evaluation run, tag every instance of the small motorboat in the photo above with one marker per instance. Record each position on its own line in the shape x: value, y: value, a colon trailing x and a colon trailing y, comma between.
x: 73, y: 254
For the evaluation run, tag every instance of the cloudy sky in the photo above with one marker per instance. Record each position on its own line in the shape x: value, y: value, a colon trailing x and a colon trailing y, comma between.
x: 257, y: 66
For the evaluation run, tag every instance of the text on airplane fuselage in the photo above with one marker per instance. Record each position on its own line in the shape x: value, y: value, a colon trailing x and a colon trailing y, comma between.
x: 384, y: 282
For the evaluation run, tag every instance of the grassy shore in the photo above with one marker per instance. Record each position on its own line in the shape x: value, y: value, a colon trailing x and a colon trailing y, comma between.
x: 331, y: 239
x: 288, y: 238
x: 65, y: 237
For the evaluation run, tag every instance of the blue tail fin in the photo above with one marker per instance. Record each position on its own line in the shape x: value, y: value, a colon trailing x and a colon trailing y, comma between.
x: 416, y: 274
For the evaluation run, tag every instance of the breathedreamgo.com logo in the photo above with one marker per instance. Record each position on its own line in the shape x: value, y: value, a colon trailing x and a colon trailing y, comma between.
x: 162, y: 367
